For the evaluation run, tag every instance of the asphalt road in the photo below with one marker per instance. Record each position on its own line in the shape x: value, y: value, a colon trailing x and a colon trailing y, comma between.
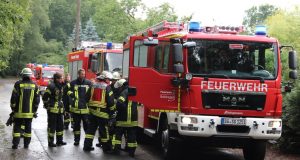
x: 38, y: 148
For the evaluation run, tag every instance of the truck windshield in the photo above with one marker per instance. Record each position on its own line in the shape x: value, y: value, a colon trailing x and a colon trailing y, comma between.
x: 113, y: 62
x: 48, y: 73
x: 233, y: 59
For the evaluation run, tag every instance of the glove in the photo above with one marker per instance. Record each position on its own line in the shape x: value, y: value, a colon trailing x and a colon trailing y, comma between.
x: 35, y: 115
x: 72, y: 95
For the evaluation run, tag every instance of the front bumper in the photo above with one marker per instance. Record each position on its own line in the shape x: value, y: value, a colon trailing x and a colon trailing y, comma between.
x: 211, y: 126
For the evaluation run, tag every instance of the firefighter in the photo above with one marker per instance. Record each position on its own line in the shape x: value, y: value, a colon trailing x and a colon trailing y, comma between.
x: 79, y: 108
x: 52, y: 99
x: 126, y: 119
x: 24, y: 103
x: 101, y: 105
x: 67, y: 102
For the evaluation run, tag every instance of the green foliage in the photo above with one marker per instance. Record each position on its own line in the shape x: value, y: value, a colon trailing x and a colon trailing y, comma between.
x: 290, y: 139
x: 283, y: 26
x: 160, y: 13
x: 62, y: 18
x: 41, y: 31
x: 13, y: 17
x: 257, y: 16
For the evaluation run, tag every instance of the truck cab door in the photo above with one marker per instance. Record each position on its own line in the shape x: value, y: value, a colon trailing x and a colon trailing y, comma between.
x: 150, y: 75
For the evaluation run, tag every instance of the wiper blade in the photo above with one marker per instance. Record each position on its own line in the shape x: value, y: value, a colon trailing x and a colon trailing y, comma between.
x: 206, y: 76
x: 262, y: 80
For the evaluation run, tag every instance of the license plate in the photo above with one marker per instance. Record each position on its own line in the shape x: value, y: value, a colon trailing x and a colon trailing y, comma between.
x: 233, y: 121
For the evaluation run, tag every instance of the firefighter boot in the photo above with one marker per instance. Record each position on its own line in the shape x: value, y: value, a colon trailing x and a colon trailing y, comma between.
x: 59, y: 141
x: 27, y: 142
x: 131, y: 152
x: 50, y: 142
x: 99, y: 143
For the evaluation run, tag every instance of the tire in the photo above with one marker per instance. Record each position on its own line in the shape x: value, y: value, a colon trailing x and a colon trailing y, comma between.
x: 255, y: 150
x: 168, y: 144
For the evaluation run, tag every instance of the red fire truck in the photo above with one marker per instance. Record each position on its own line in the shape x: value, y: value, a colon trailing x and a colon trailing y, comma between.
x: 207, y: 85
x: 43, y: 73
x: 96, y: 58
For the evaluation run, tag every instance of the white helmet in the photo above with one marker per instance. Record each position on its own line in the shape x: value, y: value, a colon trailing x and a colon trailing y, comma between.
x: 108, y: 76
x: 26, y: 72
x: 102, y: 75
x: 119, y: 83
x: 116, y: 76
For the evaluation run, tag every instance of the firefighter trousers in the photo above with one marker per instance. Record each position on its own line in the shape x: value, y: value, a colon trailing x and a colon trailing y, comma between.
x: 55, y: 125
x: 17, y: 130
x: 77, y: 124
x: 130, y: 136
x: 101, y: 123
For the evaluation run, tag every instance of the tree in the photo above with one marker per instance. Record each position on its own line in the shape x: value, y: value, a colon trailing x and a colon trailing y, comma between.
x: 160, y: 13
x: 71, y: 39
x: 14, y: 17
x: 62, y: 18
x: 89, y: 33
x: 284, y: 26
x: 257, y: 16
x: 35, y: 44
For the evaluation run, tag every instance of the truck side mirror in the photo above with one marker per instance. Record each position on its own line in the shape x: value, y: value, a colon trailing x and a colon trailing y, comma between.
x: 178, y: 68
x: 178, y: 54
x: 292, y: 60
x: 293, y: 74
x: 150, y: 41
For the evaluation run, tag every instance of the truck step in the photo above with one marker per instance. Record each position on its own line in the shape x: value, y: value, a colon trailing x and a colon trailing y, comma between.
x: 150, y: 132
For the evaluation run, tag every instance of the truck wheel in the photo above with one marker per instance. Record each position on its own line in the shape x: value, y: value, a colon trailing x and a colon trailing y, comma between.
x: 167, y: 143
x: 255, y: 150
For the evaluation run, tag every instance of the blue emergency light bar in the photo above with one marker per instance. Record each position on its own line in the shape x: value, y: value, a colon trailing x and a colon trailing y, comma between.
x: 261, y: 30
x: 109, y: 45
x: 195, y: 27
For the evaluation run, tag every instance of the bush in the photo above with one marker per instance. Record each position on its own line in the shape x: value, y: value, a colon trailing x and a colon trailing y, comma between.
x: 290, y: 139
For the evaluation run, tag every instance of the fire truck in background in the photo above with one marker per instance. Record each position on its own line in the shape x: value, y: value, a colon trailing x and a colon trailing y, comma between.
x: 94, y: 57
x: 207, y: 85
x: 43, y: 74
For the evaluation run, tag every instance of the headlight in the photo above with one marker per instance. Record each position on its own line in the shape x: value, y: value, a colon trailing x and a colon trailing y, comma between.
x: 189, y: 120
x: 188, y: 76
x: 275, y: 124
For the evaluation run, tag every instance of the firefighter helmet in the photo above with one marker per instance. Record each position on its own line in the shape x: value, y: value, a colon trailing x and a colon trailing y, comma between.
x: 116, y: 76
x: 108, y: 76
x: 26, y: 72
x: 101, y: 76
x: 119, y: 83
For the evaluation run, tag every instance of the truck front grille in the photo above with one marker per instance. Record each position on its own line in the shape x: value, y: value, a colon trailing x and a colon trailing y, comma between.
x: 234, y: 100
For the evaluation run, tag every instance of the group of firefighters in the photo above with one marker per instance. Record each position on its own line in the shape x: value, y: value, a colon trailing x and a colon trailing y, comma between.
x: 96, y: 104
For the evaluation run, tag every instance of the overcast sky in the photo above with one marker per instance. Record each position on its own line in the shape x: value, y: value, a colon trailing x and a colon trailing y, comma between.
x: 219, y: 12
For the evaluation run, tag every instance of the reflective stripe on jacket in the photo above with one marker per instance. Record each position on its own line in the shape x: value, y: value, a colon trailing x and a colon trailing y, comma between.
x: 127, y: 111
x: 101, y: 101
x: 25, y: 99
x: 80, y: 99
x: 53, y: 98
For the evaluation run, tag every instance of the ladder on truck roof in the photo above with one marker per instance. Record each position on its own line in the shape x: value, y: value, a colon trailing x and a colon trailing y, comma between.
x: 162, y: 28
